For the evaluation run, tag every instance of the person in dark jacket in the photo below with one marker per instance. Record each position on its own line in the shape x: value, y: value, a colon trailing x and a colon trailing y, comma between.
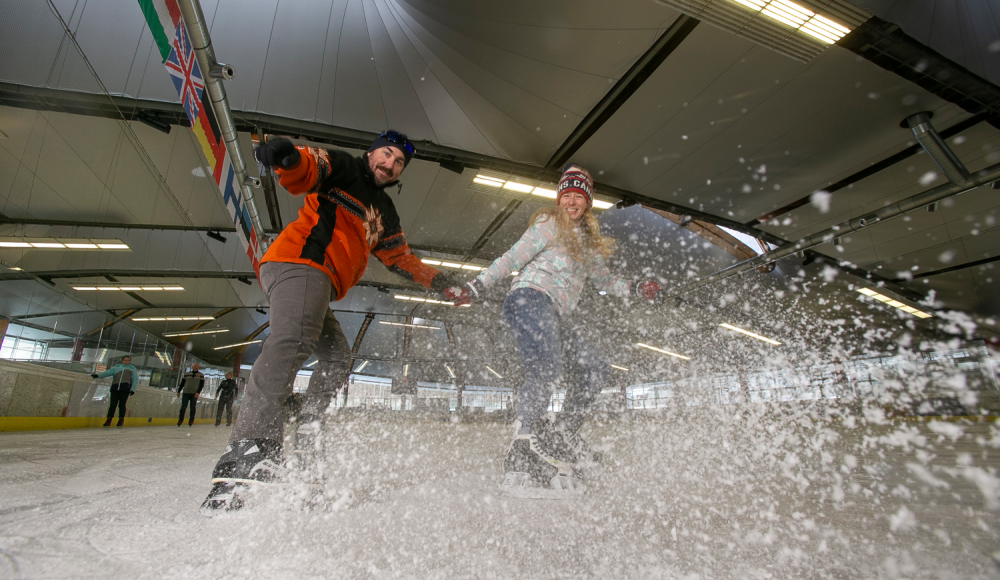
x: 124, y: 378
x: 226, y: 394
x: 191, y: 386
x: 316, y: 259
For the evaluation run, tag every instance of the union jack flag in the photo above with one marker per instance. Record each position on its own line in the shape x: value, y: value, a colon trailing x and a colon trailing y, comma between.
x: 185, y: 73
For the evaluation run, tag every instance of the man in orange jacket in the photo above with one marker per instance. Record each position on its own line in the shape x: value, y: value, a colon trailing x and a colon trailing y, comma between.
x: 316, y: 259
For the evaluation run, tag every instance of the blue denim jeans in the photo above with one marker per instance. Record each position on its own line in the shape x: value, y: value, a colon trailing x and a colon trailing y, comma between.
x: 554, y: 356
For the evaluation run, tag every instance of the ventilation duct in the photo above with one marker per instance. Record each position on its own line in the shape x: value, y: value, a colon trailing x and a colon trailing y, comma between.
x: 799, y: 29
x: 936, y: 148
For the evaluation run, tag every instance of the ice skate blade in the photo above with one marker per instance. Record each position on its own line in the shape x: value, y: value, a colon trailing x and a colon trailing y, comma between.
x: 561, y: 487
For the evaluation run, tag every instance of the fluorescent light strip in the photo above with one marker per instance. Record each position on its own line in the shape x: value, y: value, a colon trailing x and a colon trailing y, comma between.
x: 409, y: 325
x: 364, y: 363
x: 63, y: 243
x: 456, y: 265
x: 174, y: 318
x: 406, y: 370
x: 128, y: 287
x: 499, y: 376
x: 619, y: 368
x: 196, y: 332
x: 450, y: 372
x: 238, y: 344
x: 313, y: 363
x: 525, y: 188
x: 798, y: 17
x: 660, y: 350
x: 748, y: 333
x: 425, y: 300
x: 894, y: 303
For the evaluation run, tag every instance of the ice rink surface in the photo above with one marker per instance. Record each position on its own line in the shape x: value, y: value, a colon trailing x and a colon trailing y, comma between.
x: 713, y: 492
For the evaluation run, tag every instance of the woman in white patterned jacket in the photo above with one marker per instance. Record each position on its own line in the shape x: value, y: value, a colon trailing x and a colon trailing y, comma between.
x: 562, y: 250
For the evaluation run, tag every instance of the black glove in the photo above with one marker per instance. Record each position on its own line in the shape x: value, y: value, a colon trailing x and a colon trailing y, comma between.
x: 477, y: 290
x: 93, y: 375
x: 280, y: 153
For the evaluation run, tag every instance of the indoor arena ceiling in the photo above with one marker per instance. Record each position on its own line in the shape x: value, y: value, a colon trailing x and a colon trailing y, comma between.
x: 663, y: 108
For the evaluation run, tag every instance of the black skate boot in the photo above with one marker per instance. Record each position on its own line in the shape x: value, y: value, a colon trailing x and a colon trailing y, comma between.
x: 567, y: 446
x: 531, y: 471
x: 245, y: 463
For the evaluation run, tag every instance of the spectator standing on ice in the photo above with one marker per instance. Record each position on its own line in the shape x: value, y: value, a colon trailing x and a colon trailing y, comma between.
x: 562, y: 249
x: 124, y: 377
x: 226, y: 393
x: 316, y: 259
x: 191, y: 385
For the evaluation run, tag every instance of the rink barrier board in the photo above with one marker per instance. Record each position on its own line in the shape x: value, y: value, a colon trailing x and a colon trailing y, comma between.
x: 55, y: 423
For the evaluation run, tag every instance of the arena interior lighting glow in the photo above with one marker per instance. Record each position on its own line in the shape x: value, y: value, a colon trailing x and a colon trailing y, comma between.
x: 406, y: 370
x: 195, y: 332
x: 619, y: 368
x: 64, y: 243
x: 499, y: 376
x: 894, y: 303
x: 750, y: 334
x: 238, y: 344
x: 455, y: 265
x: 128, y: 287
x: 408, y: 325
x: 425, y: 300
x: 525, y: 188
x: 451, y: 373
x: 798, y: 17
x: 313, y: 363
x: 172, y: 318
x: 661, y: 351
x: 364, y: 363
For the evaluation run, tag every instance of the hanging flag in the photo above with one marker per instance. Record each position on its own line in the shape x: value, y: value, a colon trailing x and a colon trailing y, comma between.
x: 167, y: 27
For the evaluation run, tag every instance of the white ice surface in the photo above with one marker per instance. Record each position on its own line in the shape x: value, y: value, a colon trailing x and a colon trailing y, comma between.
x: 692, y: 494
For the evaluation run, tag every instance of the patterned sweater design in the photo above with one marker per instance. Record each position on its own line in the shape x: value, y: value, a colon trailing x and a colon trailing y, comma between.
x: 546, y: 266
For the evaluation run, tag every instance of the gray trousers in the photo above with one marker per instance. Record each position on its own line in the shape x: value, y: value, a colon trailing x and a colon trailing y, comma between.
x: 301, y: 324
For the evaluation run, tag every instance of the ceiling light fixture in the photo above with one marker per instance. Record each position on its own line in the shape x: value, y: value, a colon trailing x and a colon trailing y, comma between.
x: 660, y: 350
x: 195, y: 332
x: 162, y: 318
x: 526, y: 188
x: 313, y: 363
x: 800, y: 18
x: 750, y: 334
x: 238, y: 344
x: 619, y: 368
x: 456, y: 265
x: 425, y: 300
x: 63, y: 243
x: 128, y: 288
x: 450, y: 372
x: 894, y: 303
x: 364, y: 363
x: 408, y: 325
x: 499, y: 376
x: 406, y: 370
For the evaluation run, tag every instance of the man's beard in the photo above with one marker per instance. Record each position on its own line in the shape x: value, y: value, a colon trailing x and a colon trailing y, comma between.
x: 381, y: 178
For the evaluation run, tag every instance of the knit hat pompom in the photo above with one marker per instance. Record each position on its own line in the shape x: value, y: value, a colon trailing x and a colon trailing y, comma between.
x: 576, y: 178
x: 392, y: 139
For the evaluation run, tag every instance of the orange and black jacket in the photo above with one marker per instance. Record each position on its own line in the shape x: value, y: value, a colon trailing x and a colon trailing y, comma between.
x: 345, y: 218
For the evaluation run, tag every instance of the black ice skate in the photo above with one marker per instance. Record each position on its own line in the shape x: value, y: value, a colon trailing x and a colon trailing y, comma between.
x: 567, y: 446
x: 248, y: 462
x: 531, y: 471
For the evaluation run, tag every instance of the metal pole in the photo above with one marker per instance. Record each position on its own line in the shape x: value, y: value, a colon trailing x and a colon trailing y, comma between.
x: 213, y: 72
x: 988, y: 175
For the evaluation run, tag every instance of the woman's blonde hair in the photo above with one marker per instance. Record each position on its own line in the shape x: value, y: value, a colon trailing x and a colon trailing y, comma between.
x: 582, y: 240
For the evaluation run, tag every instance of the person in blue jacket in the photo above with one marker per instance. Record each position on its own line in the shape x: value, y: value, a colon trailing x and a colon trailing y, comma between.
x: 125, y: 376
